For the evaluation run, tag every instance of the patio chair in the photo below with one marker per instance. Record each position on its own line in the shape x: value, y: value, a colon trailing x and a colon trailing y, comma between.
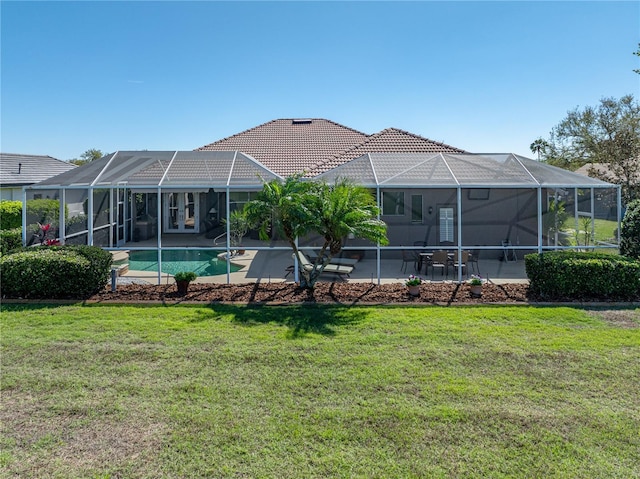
x: 409, y: 257
x: 421, y: 257
x: 473, y: 260
x: 440, y: 260
x: 460, y: 261
x: 338, y: 269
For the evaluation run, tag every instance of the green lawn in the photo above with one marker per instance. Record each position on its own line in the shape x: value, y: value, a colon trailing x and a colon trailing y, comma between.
x: 603, y: 230
x: 303, y: 392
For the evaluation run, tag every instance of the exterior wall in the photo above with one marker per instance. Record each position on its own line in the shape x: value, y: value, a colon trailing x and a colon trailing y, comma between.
x: 488, y: 218
x: 403, y: 232
x: 505, y: 215
x: 12, y: 194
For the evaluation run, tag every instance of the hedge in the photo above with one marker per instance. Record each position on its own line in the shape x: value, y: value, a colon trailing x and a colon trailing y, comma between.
x: 630, y: 231
x: 56, y: 272
x: 10, y: 240
x: 583, y: 275
x: 10, y: 214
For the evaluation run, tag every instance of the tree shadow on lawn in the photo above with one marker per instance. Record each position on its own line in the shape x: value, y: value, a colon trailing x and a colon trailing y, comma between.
x: 301, y: 319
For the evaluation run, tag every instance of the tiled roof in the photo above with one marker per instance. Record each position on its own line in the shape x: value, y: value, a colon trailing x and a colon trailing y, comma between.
x: 391, y: 140
x: 289, y: 146
x: 315, y: 145
x: 20, y: 170
x: 602, y: 170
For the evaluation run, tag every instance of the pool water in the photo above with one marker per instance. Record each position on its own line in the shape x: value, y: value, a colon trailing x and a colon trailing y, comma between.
x: 201, y: 262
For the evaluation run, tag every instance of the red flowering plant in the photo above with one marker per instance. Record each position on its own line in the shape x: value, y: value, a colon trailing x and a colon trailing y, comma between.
x: 43, y: 233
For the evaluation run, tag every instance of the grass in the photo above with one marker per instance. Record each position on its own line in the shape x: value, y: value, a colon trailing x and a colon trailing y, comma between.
x: 152, y: 392
x: 603, y: 230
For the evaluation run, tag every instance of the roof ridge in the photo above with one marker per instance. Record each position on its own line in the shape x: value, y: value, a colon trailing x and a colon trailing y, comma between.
x: 27, y: 155
x: 424, y: 138
x: 344, y: 152
x: 344, y: 126
x: 373, y: 136
x: 236, y: 134
x: 277, y: 120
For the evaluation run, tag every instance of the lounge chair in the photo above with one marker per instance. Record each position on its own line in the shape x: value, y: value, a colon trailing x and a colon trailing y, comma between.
x: 340, y: 261
x: 339, y: 269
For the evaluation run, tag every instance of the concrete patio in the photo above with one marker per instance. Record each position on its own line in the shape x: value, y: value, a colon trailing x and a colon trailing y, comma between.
x: 271, y: 266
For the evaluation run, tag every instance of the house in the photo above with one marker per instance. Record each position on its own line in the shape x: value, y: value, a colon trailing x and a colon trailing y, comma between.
x: 315, y: 145
x: 627, y: 175
x: 17, y: 170
x: 432, y: 195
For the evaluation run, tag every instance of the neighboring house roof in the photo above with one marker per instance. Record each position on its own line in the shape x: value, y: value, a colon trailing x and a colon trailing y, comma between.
x: 19, y: 170
x: 601, y: 168
x: 315, y: 145
x: 584, y: 169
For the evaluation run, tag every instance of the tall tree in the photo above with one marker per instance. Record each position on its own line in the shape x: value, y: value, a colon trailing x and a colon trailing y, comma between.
x: 88, y: 156
x: 539, y: 146
x: 297, y: 208
x: 608, y: 134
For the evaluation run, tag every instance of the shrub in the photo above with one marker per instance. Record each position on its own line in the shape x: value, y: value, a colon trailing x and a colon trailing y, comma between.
x: 185, y: 276
x: 10, y: 240
x: 43, y: 211
x: 630, y: 231
x: 55, y: 272
x: 100, y: 264
x: 582, y: 275
x: 10, y: 215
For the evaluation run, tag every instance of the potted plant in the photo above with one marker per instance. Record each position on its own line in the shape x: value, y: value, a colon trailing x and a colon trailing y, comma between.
x: 239, y: 225
x: 413, y: 284
x: 183, y: 278
x: 475, y: 283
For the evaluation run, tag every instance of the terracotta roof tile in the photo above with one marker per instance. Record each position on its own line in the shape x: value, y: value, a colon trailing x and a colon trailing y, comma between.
x: 390, y: 140
x: 289, y: 146
x: 315, y: 145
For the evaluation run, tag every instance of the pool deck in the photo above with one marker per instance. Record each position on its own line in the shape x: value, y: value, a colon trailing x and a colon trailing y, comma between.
x: 271, y: 267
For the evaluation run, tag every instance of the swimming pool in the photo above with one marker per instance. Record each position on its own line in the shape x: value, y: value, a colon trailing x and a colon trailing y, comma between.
x: 201, y: 262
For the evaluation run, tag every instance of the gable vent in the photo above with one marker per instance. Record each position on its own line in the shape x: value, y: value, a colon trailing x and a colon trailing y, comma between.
x: 301, y: 121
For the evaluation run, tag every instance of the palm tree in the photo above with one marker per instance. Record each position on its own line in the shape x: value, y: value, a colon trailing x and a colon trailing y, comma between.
x: 538, y: 146
x: 297, y: 208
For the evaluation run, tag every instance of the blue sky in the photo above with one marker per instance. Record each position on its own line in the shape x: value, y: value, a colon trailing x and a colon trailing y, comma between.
x: 483, y: 76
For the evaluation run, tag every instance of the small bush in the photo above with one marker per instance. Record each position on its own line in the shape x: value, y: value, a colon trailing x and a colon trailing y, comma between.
x: 185, y: 276
x: 55, y: 272
x: 10, y: 215
x: 100, y: 264
x: 43, y: 211
x: 579, y: 275
x: 10, y: 240
x: 630, y: 231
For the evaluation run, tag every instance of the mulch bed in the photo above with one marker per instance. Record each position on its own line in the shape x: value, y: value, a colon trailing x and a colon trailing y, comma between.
x: 325, y: 293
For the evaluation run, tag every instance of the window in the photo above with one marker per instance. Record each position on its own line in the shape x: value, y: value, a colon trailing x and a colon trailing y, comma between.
x: 446, y: 225
x: 478, y: 194
x: 416, y: 208
x: 237, y: 199
x: 392, y: 203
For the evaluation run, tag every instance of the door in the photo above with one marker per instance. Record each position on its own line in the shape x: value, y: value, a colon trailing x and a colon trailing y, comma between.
x: 181, y: 213
x: 446, y: 225
x: 121, y: 215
